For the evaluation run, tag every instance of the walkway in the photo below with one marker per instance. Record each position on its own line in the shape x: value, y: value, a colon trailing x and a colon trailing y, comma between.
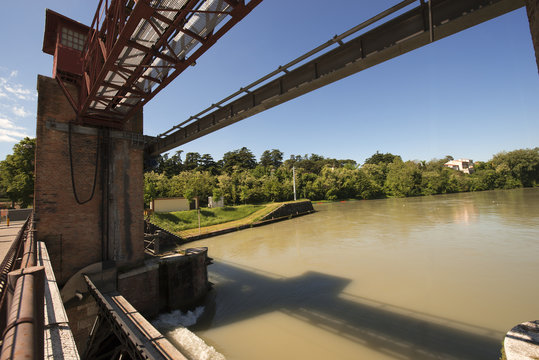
x: 7, y: 235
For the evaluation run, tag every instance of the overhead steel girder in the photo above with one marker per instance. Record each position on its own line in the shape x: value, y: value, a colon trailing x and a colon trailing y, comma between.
x: 111, y: 85
x: 409, y: 31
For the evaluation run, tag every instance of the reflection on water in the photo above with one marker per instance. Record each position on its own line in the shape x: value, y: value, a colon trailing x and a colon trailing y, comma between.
x: 420, y: 278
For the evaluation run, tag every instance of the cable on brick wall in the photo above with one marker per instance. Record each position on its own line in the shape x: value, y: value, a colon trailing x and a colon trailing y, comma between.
x: 97, y: 152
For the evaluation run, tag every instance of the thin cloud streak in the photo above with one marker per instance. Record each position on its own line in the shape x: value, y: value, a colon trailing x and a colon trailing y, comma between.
x: 8, y: 87
x: 20, y: 111
x: 15, y: 99
x: 12, y: 135
x: 8, y: 124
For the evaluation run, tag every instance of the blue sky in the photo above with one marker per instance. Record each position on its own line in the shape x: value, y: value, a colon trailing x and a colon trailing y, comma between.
x: 470, y: 95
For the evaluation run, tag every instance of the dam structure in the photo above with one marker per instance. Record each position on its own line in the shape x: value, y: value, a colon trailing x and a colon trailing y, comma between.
x: 85, y: 238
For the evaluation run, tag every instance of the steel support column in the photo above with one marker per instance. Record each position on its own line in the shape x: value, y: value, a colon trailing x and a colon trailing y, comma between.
x: 532, y: 8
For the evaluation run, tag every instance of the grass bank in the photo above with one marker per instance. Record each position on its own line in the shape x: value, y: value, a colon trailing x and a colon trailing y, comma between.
x: 185, y: 223
x: 179, y: 221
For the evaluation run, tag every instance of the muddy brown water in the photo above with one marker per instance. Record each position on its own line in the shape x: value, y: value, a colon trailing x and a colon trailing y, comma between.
x: 439, y: 277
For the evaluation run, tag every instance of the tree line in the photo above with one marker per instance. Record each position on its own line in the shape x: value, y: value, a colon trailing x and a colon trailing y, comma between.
x: 240, y: 179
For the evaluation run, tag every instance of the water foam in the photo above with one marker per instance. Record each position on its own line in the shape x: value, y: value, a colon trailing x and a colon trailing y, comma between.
x: 175, y: 325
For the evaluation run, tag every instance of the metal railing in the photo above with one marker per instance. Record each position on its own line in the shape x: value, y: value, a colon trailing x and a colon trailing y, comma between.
x: 22, y: 298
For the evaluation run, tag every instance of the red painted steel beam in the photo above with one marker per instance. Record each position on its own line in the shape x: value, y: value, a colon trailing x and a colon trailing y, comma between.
x: 110, y: 35
x: 237, y: 14
x: 142, y: 10
x: 148, y: 58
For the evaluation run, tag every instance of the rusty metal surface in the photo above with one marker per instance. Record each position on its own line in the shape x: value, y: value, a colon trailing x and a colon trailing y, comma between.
x: 9, y: 263
x: 122, y: 332
x: 23, y: 335
x: 22, y: 299
x: 420, y: 26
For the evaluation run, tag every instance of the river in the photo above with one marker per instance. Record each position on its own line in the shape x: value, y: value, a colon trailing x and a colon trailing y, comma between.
x: 438, y: 277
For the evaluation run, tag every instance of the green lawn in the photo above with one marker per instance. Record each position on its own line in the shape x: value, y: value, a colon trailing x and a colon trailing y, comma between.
x: 183, y: 220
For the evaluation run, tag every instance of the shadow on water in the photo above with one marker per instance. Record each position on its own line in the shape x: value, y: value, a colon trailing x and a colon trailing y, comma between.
x: 242, y: 293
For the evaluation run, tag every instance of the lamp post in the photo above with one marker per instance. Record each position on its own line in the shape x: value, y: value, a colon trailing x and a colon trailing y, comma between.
x: 294, y: 181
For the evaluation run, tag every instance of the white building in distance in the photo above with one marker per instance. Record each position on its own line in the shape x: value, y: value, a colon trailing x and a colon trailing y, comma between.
x: 464, y: 165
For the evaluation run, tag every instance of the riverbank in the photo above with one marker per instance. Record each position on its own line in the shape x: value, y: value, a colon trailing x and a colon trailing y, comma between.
x: 267, y: 214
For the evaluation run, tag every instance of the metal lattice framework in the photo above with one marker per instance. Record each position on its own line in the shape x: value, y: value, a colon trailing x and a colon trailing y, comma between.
x: 136, y: 48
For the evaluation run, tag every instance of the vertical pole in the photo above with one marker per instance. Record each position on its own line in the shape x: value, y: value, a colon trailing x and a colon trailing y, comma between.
x: 431, y: 30
x: 294, y: 181
x: 198, y: 210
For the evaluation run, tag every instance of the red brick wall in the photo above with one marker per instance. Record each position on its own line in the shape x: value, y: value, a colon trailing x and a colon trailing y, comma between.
x: 73, y: 232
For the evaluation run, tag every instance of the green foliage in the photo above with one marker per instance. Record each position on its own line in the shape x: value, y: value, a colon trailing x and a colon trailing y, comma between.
x: 169, y: 166
x: 239, y: 180
x: 379, y: 158
x: 238, y: 159
x: 520, y: 165
x: 17, y: 173
x: 155, y: 186
x: 271, y: 158
x: 403, y: 179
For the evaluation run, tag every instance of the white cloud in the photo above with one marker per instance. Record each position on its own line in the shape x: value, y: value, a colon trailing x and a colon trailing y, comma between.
x: 8, y: 124
x: 16, y: 104
x: 7, y: 138
x: 19, y: 92
x: 19, y: 111
x: 8, y: 87
x: 11, y: 135
x: 9, y: 132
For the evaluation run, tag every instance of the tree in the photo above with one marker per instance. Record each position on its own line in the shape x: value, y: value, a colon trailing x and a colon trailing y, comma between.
x: 170, y: 166
x: 17, y: 173
x: 271, y: 158
x: 192, y: 161
x: 403, y: 179
x: 379, y: 158
x: 239, y: 159
x: 155, y: 186
x: 522, y: 165
x: 208, y: 164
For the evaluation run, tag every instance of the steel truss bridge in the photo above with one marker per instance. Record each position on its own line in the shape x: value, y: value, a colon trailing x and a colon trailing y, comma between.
x: 134, y: 49
x: 338, y: 58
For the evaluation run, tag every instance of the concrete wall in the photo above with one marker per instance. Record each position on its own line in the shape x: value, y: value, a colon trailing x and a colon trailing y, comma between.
x: 80, y: 235
x: 183, y: 279
x: 81, y: 315
x: 19, y: 214
x: 290, y: 209
x: 141, y: 288
x: 169, y: 205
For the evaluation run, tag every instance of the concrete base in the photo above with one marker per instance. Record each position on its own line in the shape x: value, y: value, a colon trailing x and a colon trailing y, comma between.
x: 178, y: 281
x: 522, y: 342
